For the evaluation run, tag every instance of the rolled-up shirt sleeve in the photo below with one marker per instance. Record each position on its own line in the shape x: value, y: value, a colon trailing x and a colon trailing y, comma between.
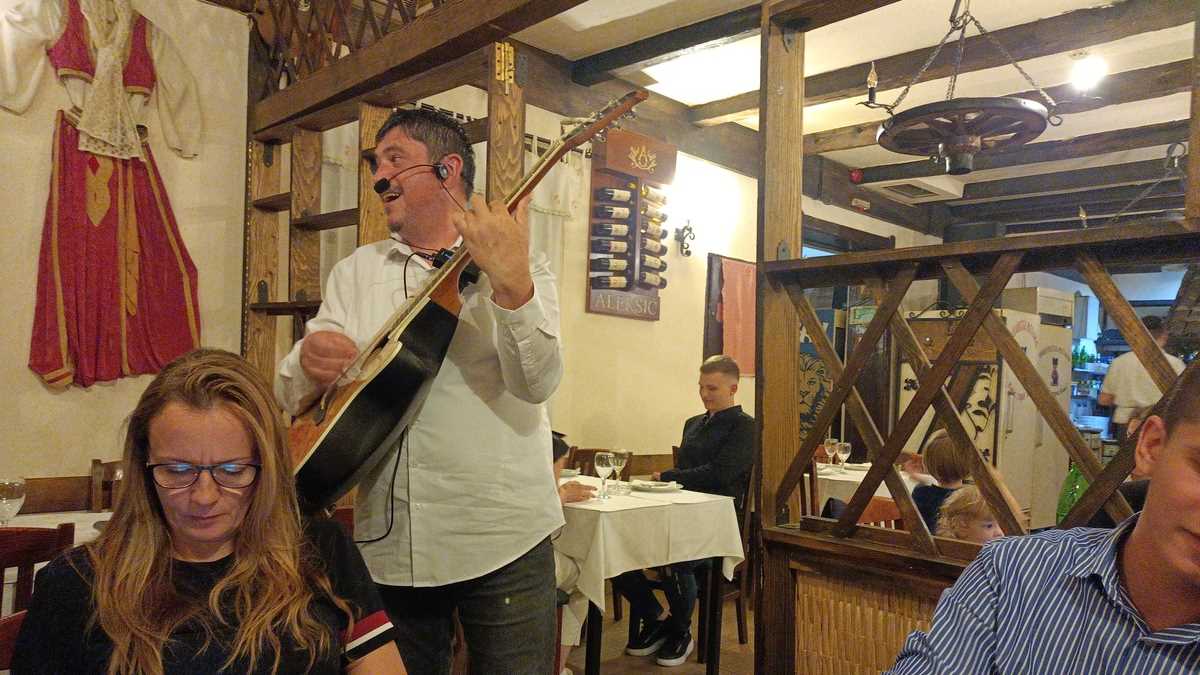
x: 293, y: 389
x: 529, y: 346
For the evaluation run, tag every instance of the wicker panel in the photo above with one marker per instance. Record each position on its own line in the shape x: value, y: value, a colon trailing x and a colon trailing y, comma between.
x: 851, y: 625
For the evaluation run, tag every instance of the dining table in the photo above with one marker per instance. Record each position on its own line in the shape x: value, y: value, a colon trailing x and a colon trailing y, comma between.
x: 642, y: 530
x: 840, y: 483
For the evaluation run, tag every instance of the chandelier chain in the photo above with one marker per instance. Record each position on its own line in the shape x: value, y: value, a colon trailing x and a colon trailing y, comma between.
x: 1028, y: 78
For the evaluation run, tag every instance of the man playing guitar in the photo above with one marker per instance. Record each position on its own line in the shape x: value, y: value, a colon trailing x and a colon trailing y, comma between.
x: 458, y: 515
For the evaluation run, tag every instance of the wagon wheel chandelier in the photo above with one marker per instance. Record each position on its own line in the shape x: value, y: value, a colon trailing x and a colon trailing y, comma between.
x: 953, y: 131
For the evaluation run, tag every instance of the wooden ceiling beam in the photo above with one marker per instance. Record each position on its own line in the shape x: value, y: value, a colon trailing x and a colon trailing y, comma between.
x: 1130, y: 173
x: 1097, y: 212
x: 1054, y: 35
x: 1047, y: 151
x: 635, y: 56
x: 809, y: 15
x: 1010, y: 209
x: 1076, y: 224
x: 434, y: 38
x: 1130, y: 86
x: 465, y: 70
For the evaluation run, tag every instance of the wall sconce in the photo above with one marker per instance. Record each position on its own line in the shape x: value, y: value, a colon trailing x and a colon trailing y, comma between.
x: 682, y: 235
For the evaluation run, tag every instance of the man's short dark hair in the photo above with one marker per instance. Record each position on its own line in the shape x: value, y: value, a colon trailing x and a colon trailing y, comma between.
x: 1154, y: 324
x: 720, y: 364
x: 559, y: 446
x: 1181, y: 403
x: 440, y: 133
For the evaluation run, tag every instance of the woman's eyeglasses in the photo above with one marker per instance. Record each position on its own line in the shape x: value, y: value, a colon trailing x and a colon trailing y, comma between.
x: 177, y: 475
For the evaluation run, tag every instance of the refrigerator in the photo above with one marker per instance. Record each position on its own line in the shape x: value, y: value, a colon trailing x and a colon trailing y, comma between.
x: 1005, y: 425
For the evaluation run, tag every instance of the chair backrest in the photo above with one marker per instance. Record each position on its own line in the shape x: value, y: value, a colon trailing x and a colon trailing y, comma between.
x: 584, y: 459
x: 10, y: 627
x: 105, y: 477
x: 24, y: 547
x: 882, y: 512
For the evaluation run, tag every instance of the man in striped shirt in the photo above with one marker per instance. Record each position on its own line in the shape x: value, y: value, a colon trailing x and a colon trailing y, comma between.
x: 1084, y: 600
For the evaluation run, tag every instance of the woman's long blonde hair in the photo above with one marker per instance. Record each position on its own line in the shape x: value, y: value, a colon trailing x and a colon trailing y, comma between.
x: 275, y: 576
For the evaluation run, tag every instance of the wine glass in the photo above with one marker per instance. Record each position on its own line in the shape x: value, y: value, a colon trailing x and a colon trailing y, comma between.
x: 843, y: 454
x: 604, y: 468
x: 620, y: 459
x: 830, y: 448
x: 12, y: 496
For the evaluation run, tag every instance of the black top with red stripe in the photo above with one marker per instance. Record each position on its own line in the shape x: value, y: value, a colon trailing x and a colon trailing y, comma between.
x: 56, y: 637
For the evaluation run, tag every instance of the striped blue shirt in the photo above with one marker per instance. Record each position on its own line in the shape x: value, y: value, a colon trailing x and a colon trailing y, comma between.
x: 1047, y: 603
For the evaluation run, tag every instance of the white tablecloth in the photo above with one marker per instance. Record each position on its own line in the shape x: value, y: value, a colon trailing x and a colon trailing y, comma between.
x: 646, y: 529
x: 832, y: 483
x: 85, y: 531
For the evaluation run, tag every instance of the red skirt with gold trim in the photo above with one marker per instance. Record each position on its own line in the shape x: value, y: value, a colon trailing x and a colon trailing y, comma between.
x: 116, y: 291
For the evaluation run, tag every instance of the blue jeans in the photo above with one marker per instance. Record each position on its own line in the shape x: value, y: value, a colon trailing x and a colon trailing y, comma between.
x: 679, y: 586
x: 508, y: 617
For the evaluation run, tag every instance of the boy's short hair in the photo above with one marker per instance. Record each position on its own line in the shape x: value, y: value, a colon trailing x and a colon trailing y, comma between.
x: 1181, y: 403
x: 943, y: 460
x: 721, y: 363
x: 960, y: 509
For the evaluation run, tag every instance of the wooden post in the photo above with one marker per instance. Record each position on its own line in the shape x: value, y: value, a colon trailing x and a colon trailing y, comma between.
x: 372, y: 223
x: 261, y: 255
x: 506, y: 124
x: 781, y: 134
x: 1192, y: 206
x: 779, y: 223
x: 304, y: 246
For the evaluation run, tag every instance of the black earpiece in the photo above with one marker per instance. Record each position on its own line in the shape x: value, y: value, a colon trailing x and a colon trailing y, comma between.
x: 441, y: 171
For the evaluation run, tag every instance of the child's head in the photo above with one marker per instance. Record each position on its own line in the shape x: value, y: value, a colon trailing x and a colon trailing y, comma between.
x: 944, y: 461
x: 560, y: 451
x: 965, y: 515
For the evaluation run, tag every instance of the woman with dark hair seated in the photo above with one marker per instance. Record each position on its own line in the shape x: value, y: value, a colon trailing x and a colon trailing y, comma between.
x: 206, y: 564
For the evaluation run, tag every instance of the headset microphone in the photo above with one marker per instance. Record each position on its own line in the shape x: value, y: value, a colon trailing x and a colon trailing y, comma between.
x: 440, y: 170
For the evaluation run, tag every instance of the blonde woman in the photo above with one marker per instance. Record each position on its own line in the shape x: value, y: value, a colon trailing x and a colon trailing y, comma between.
x: 966, y: 515
x: 206, y: 565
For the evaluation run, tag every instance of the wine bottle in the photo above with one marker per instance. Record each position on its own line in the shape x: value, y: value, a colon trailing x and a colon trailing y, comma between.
x: 609, y: 265
x: 652, y: 280
x: 613, y: 281
x: 614, y: 212
x: 654, y: 230
x: 610, y: 246
x: 653, y: 247
x: 653, y: 194
x: 652, y: 263
x: 653, y: 213
x: 614, y: 195
x: 610, y: 229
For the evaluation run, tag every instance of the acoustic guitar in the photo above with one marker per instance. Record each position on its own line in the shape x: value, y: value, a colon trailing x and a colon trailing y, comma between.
x: 357, y: 421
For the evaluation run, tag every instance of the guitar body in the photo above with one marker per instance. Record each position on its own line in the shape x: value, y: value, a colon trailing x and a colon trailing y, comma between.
x: 336, y: 444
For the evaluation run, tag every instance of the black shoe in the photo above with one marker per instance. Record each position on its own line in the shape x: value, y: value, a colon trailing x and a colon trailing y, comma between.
x: 676, y: 650
x: 652, y: 635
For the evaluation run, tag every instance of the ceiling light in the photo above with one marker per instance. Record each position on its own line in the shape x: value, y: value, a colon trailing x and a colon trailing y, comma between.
x: 1088, y: 71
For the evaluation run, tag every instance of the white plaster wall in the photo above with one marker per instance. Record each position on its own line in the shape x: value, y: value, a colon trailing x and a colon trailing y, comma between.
x: 47, y: 433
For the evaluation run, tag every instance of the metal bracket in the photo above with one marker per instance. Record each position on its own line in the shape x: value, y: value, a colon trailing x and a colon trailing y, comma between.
x: 783, y: 251
x: 262, y: 292
x: 522, y: 74
x: 268, y: 156
x: 505, y: 61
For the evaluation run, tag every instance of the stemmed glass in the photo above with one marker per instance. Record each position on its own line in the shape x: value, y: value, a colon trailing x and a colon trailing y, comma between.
x: 604, y: 468
x: 12, y: 496
x: 830, y: 449
x: 843, y: 454
x: 620, y: 459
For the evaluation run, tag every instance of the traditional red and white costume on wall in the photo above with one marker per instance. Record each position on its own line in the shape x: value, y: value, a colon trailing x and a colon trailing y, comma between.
x: 116, y: 290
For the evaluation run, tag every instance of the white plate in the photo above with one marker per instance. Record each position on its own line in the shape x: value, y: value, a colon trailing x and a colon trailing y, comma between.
x: 656, y: 486
x: 568, y: 473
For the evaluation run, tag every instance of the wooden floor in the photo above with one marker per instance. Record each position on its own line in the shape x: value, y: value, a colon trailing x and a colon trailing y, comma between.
x: 735, y: 658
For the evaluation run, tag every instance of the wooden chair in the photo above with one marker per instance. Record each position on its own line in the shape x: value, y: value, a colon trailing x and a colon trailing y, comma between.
x: 106, y: 476
x: 738, y: 589
x: 882, y: 512
x: 10, y: 627
x: 24, y: 547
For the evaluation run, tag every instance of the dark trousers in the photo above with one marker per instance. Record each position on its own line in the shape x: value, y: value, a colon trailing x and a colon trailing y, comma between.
x: 679, y: 585
x: 508, y: 617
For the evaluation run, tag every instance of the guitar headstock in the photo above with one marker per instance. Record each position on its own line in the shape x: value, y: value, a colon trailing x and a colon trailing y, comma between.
x: 597, y: 123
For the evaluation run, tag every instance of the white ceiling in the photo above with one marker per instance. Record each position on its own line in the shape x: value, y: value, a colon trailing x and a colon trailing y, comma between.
x: 713, y: 74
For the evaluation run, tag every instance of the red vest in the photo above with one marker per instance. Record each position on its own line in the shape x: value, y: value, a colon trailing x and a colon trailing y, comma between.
x: 72, y: 55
